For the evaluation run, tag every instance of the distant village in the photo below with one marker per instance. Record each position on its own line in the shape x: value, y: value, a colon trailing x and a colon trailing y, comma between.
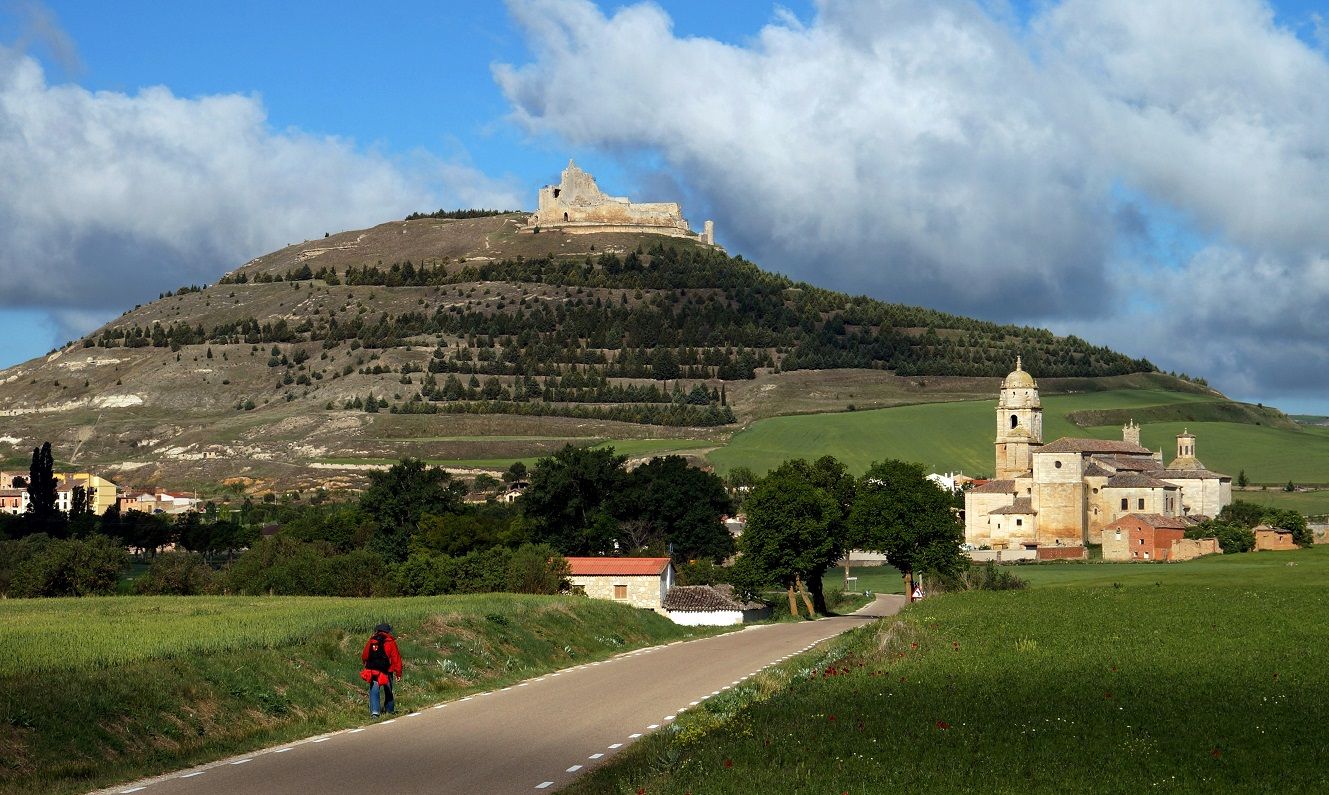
x: 102, y: 495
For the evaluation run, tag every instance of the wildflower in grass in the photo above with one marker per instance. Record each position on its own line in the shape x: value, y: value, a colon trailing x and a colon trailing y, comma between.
x: 943, y: 725
x: 728, y: 763
x: 1107, y: 695
x: 830, y: 718
x: 1215, y: 753
x: 913, y: 645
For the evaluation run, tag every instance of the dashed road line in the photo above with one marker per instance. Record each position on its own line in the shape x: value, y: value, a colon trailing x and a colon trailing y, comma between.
x: 574, y: 768
x: 195, y: 773
x: 282, y: 750
x: 634, y: 736
x: 616, y: 745
x: 595, y: 756
x: 242, y: 761
x: 653, y: 726
x: 133, y: 789
x: 544, y: 785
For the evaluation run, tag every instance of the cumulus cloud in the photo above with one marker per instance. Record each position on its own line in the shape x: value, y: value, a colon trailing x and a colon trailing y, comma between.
x: 938, y: 154
x: 110, y: 198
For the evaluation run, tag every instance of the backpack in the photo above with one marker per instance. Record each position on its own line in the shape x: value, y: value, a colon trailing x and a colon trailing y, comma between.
x: 378, y: 654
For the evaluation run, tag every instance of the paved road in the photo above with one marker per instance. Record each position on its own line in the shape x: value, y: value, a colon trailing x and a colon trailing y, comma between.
x: 534, y: 736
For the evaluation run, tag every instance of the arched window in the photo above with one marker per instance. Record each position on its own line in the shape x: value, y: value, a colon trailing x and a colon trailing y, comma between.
x: 1015, y: 421
x: 565, y: 216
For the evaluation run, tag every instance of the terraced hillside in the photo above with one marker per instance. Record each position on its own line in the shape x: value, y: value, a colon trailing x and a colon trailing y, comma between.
x: 465, y: 340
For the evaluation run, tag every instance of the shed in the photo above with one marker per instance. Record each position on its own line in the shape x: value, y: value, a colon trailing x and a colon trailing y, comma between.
x: 701, y: 605
x: 640, y: 582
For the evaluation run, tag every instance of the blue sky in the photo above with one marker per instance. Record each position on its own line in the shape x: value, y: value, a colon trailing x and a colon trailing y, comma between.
x: 986, y: 158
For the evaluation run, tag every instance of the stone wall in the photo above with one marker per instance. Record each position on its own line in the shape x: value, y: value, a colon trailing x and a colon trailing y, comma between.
x: 1059, y: 498
x: 642, y: 591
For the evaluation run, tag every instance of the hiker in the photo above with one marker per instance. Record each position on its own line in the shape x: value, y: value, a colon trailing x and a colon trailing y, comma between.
x: 382, y: 664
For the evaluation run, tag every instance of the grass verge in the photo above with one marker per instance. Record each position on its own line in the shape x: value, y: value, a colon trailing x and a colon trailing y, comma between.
x: 102, y: 690
x: 1184, y: 683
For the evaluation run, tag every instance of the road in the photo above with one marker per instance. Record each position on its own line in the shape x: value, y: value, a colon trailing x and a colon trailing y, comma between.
x: 534, y: 736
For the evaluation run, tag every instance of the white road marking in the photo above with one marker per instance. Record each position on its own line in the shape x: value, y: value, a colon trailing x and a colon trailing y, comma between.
x: 653, y: 726
x: 281, y: 750
x: 389, y: 720
x: 134, y: 789
x: 414, y: 714
x: 544, y: 785
x: 356, y: 731
x: 195, y: 773
x: 439, y: 706
x: 316, y: 740
x: 634, y: 736
x: 574, y: 768
x: 693, y: 703
x: 523, y: 684
x: 670, y: 717
x: 616, y: 745
x: 595, y: 756
x: 506, y: 689
x: 242, y: 761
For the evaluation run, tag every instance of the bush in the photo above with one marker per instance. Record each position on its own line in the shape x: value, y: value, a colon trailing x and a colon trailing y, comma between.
x: 985, y: 577
x: 537, y: 569
x: 531, y: 568
x: 702, y: 572
x: 1231, y: 538
x: 69, y: 568
x: 288, y: 567
x: 177, y: 574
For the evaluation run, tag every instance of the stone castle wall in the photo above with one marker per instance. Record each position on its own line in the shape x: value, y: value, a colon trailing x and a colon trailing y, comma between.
x: 576, y: 205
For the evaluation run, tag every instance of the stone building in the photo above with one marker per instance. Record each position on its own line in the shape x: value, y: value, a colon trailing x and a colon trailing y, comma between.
x: 1145, y: 537
x: 1272, y: 538
x: 14, y: 491
x: 640, y: 582
x: 1062, y: 494
x: 577, y: 205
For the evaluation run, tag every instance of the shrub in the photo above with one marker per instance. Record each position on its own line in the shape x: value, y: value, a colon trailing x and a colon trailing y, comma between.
x: 986, y: 577
x: 70, y: 568
x: 178, y: 574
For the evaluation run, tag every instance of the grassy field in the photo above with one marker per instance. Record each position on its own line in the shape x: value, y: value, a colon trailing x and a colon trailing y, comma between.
x: 1205, y: 676
x: 1311, y: 503
x: 160, y: 683
x: 628, y: 447
x: 958, y: 436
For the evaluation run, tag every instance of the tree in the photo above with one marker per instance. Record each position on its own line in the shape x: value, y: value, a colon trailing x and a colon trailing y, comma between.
x: 901, y: 513
x: 1289, y: 520
x: 1242, y: 482
x: 43, y: 497
x: 832, y: 477
x: 1232, y: 538
x: 566, y: 500
x: 398, y: 497
x: 82, y: 521
x: 515, y: 473
x: 681, y: 504
x: 788, y: 530
x: 1242, y: 514
x: 1290, y: 487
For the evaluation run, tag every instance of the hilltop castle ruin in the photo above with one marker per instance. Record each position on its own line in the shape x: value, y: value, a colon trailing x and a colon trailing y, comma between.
x: 577, y: 205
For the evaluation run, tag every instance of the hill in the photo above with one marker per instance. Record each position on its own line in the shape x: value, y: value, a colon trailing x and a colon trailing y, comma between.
x: 434, y: 336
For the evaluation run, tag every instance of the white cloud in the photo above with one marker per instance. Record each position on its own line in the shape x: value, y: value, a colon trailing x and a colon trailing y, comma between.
x: 939, y: 153
x: 110, y: 198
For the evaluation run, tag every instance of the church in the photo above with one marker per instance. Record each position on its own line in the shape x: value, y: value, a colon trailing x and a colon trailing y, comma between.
x: 1060, y: 495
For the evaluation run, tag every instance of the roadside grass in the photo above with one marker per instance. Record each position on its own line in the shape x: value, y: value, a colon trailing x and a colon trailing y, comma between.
x: 1201, y: 679
x: 958, y: 436
x: 99, y: 690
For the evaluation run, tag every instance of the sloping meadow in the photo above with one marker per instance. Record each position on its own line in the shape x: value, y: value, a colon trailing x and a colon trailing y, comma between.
x: 1164, y: 685
x: 99, y: 690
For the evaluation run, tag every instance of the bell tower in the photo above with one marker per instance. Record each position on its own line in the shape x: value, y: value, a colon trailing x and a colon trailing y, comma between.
x: 1019, y: 424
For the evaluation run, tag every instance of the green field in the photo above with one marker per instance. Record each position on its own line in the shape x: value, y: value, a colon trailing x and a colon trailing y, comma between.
x: 1204, y: 676
x: 959, y: 436
x: 160, y: 683
x: 1310, y: 503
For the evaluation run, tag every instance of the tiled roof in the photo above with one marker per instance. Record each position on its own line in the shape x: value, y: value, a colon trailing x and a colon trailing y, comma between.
x: 1137, y: 480
x: 628, y: 567
x: 1096, y: 471
x: 1023, y: 506
x: 1264, y: 528
x: 1159, y: 521
x: 697, y: 598
x: 995, y: 487
x: 1067, y: 444
x: 1190, y: 474
x: 1127, y: 463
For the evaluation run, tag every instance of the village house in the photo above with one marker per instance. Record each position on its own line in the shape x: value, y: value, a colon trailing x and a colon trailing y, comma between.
x: 1057, y: 498
x: 640, y: 582
x: 1140, y: 537
x: 159, y: 501
x: 14, y: 491
x: 1272, y: 538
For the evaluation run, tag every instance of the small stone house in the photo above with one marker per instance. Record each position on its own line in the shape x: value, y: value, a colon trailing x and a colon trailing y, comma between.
x: 640, y: 582
x: 1149, y: 536
x: 1272, y: 538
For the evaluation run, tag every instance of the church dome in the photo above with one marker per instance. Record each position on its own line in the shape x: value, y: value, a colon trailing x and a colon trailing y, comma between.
x: 1019, y: 379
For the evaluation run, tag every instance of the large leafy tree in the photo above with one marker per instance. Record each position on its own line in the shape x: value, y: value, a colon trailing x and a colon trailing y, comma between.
x: 899, y: 512
x: 679, y: 505
x: 567, y: 499
x: 398, y: 497
x: 789, y: 529
x: 832, y: 477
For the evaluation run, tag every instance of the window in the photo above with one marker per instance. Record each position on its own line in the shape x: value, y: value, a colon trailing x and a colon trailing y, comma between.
x: 1015, y: 421
x: 1141, y: 502
x: 565, y: 216
x: 1141, y: 542
x: 1019, y: 522
x: 1056, y: 464
x: 621, y: 591
x: 1125, y: 503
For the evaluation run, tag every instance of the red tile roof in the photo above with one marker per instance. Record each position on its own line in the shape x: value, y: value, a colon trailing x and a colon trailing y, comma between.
x: 627, y: 567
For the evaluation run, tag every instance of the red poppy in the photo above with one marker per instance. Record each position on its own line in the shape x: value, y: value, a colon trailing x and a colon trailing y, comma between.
x: 913, y: 645
x: 830, y: 717
x: 943, y: 725
x: 728, y: 763
x: 1107, y: 695
x: 1217, y: 754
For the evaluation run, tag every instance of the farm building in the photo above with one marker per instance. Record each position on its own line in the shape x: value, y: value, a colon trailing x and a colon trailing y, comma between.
x: 1150, y: 536
x: 1272, y: 538
x: 711, y: 606
x: 640, y: 582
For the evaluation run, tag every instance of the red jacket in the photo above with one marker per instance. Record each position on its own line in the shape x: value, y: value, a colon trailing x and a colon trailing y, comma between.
x: 390, y: 647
